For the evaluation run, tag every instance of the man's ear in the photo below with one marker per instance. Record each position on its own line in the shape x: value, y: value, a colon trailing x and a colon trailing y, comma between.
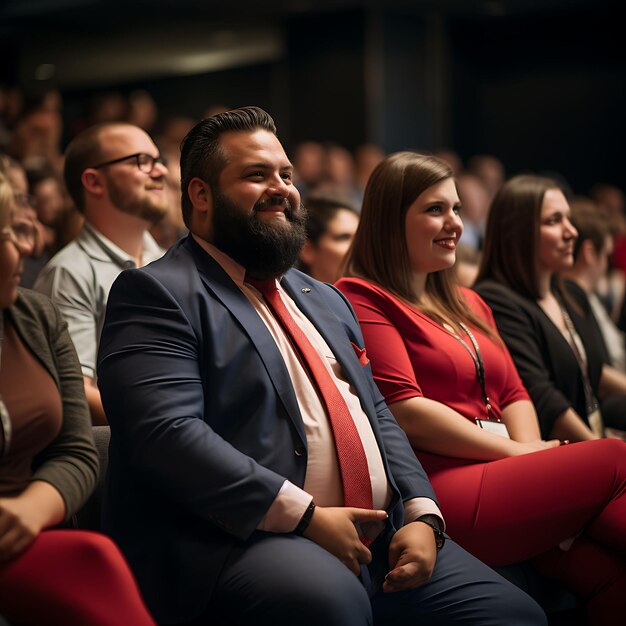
x: 92, y: 181
x: 200, y: 195
x: 308, y: 254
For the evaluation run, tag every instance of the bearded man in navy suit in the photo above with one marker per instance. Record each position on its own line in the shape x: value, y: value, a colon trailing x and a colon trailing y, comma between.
x: 224, y: 488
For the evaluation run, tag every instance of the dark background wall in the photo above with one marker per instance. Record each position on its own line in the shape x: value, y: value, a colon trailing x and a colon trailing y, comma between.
x: 540, y: 85
x: 544, y: 92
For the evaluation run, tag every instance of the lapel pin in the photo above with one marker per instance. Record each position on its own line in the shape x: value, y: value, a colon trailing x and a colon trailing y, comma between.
x: 306, y: 290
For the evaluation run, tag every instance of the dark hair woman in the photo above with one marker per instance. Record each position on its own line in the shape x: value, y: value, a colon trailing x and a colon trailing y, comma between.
x: 528, y: 241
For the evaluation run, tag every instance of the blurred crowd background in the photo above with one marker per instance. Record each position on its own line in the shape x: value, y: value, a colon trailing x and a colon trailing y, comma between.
x: 496, y: 87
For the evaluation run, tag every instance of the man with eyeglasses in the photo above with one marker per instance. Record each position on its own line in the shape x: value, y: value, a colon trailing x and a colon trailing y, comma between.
x: 116, y: 177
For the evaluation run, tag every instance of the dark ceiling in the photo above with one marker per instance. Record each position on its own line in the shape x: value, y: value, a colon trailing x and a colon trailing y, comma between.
x: 23, y: 19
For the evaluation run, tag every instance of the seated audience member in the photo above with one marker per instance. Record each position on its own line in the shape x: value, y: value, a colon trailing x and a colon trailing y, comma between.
x: 142, y: 110
x: 23, y: 202
x: 116, y: 178
x: 54, y: 215
x: 48, y: 463
x: 490, y: 170
x: 611, y: 199
x: 592, y: 251
x: 340, y: 174
x: 330, y: 226
x: 309, y: 162
x: 529, y: 240
x: 37, y: 136
x: 171, y: 228
x: 366, y: 157
x: 174, y: 130
x: 254, y: 470
x: 54, y: 208
x: 452, y: 159
x: 508, y: 495
x: 475, y: 202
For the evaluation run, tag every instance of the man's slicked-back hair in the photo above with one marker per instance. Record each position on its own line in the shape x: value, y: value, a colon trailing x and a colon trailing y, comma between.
x: 84, y: 151
x: 201, y: 156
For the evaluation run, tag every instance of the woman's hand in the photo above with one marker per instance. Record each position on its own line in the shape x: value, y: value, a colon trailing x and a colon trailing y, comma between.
x: 23, y: 517
x: 18, y: 527
x: 527, y: 447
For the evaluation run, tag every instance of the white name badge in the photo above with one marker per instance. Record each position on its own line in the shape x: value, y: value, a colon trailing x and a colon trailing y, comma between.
x: 493, y: 426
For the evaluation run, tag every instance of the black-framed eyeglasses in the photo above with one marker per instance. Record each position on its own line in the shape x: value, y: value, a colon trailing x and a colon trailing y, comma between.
x: 23, y: 199
x: 145, y: 162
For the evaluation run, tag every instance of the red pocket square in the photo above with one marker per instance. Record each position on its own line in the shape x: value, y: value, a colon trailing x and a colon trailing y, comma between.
x: 361, y: 354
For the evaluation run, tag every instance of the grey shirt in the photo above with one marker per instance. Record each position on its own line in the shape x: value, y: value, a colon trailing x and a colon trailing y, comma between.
x: 78, y: 280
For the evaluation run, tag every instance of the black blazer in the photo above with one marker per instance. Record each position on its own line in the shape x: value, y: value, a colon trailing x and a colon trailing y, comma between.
x: 542, y: 355
x: 205, y: 424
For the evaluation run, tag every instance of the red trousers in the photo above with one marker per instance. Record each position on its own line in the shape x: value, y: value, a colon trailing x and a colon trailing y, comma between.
x: 523, y: 507
x: 71, y: 578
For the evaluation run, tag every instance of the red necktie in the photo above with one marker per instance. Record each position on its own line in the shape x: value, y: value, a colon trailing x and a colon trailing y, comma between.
x: 357, y: 487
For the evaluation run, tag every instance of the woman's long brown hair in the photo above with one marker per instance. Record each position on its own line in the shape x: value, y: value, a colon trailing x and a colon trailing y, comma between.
x: 379, y: 249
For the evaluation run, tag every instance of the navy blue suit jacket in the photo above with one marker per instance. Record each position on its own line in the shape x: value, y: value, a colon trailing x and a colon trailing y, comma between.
x: 205, y: 424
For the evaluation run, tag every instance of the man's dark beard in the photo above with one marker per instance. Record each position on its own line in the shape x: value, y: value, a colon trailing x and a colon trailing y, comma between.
x: 265, y: 250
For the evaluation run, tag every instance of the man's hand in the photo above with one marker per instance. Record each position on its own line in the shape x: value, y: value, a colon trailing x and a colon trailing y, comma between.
x: 334, y: 529
x: 412, y: 556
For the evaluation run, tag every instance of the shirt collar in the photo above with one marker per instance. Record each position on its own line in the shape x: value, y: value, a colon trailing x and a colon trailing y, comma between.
x: 236, y: 271
x: 102, y: 248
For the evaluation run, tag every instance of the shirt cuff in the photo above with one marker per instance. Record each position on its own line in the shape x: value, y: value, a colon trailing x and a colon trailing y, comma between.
x: 90, y: 372
x: 287, y: 509
x: 416, y: 507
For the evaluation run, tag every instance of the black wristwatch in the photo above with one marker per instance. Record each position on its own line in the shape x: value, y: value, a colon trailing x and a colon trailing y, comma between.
x: 305, y: 520
x: 440, y: 538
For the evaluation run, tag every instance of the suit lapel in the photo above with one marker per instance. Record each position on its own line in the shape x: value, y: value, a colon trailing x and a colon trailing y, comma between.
x: 217, y: 281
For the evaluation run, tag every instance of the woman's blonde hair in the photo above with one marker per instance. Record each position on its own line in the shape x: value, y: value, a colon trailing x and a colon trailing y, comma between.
x: 6, y: 201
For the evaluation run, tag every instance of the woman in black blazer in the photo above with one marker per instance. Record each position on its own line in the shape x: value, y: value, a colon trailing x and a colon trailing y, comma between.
x: 529, y: 239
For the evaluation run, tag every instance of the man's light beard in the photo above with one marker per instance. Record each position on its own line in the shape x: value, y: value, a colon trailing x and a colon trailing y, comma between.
x: 147, y: 207
x: 265, y: 249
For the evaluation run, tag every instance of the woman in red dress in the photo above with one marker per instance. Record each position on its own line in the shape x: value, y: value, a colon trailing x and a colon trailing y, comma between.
x: 507, y: 494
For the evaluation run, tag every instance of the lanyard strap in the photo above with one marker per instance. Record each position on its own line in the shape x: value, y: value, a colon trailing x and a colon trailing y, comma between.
x: 590, y: 399
x: 5, y: 419
x: 478, y: 363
